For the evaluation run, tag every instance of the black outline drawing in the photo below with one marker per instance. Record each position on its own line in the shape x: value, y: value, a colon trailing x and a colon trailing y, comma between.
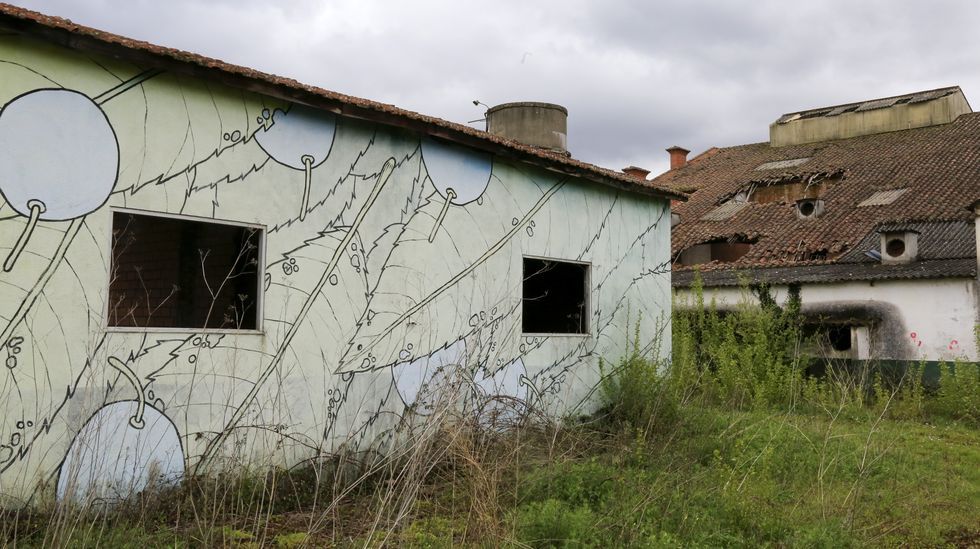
x: 37, y: 207
x: 363, y: 223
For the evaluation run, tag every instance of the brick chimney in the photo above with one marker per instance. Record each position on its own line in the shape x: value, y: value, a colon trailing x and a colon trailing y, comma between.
x: 636, y: 172
x: 678, y: 157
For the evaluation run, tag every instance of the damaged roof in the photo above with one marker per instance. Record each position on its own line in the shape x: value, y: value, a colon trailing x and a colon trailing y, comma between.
x: 925, y: 179
x: 872, y: 104
x: 65, y: 33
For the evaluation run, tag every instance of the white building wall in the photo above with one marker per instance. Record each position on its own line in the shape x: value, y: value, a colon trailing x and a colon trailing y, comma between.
x: 379, y: 285
x: 929, y: 319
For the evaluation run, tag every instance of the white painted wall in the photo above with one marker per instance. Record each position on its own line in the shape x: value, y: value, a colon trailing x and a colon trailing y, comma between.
x: 370, y: 284
x: 937, y: 317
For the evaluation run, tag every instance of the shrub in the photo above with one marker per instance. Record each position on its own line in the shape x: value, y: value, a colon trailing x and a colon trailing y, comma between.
x: 635, y: 392
x: 958, y: 396
x: 749, y: 357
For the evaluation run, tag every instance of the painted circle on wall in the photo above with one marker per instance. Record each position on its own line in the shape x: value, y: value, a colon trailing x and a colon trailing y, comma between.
x: 465, y: 171
x: 110, y: 459
x: 56, y: 147
x: 297, y: 133
x: 421, y: 382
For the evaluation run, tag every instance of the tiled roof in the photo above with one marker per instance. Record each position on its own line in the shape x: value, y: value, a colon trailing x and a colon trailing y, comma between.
x: 68, y: 34
x: 937, y: 240
x: 939, y: 165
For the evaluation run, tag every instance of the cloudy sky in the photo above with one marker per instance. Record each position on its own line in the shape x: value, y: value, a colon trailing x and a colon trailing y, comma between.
x: 636, y: 76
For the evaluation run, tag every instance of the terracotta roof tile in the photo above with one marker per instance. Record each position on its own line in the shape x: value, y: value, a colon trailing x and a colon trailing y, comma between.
x: 940, y: 165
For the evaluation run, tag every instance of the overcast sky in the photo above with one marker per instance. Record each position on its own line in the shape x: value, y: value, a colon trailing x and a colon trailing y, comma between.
x: 636, y: 76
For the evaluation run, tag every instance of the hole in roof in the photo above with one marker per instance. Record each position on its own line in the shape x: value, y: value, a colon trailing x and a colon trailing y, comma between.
x: 721, y: 250
x: 725, y: 211
x: 777, y: 164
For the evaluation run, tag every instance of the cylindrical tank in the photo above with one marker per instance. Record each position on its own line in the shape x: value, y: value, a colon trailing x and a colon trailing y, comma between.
x: 543, y: 125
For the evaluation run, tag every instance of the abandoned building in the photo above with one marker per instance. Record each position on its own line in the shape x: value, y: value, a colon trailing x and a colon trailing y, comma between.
x: 867, y: 206
x: 205, y: 266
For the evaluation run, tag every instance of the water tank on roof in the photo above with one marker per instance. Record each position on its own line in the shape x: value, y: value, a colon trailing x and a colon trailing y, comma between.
x: 543, y: 125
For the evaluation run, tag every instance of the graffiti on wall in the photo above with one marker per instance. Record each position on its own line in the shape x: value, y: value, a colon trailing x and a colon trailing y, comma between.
x: 391, y: 268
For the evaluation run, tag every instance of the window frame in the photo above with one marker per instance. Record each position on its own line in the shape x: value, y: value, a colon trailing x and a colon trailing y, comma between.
x: 260, y: 274
x: 588, y: 297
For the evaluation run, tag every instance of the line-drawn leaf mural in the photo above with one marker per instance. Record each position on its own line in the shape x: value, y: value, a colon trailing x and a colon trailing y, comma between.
x: 421, y: 306
x: 385, y: 260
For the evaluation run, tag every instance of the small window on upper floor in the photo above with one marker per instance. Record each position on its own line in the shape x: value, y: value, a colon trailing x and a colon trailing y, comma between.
x: 176, y: 272
x: 556, y: 297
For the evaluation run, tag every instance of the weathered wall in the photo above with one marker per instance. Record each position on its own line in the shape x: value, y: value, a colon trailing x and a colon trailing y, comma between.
x: 359, y: 305
x: 852, y: 124
x: 913, y: 319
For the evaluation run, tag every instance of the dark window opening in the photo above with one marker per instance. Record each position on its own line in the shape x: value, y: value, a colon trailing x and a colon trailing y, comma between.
x: 895, y: 247
x: 178, y: 273
x: 555, y: 297
x: 839, y: 338
x: 807, y: 207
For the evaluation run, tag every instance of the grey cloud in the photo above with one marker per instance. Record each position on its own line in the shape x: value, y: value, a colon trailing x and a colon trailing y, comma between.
x: 636, y: 76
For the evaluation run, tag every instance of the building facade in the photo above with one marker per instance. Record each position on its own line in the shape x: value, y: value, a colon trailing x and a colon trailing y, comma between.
x: 205, y: 266
x: 865, y: 206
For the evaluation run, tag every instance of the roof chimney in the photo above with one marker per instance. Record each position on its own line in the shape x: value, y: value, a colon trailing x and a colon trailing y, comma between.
x: 542, y: 125
x: 637, y: 172
x: 678, y: 157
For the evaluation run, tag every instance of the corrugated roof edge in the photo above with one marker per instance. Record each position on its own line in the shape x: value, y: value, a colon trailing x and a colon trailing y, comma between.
x: 79, y: 37
x: 946, y: 89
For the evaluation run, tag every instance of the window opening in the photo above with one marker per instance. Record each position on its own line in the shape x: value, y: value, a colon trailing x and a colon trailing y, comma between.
x: 178, y: 273
x: 555, y: 297
x: 807, y: 207
x: 839, y: 338
x: 895, y: 247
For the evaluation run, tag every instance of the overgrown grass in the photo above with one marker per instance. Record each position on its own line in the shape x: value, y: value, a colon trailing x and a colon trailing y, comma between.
x: 747, y: 479
x: 727, y: 444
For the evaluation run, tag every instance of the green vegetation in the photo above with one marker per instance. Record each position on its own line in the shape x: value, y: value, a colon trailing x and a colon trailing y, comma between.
x: 729, y: 444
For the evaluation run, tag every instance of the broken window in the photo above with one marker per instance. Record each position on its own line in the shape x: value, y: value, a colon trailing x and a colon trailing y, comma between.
x: 556, y: 297
x: 170, y: 272
x: 839, y: 340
